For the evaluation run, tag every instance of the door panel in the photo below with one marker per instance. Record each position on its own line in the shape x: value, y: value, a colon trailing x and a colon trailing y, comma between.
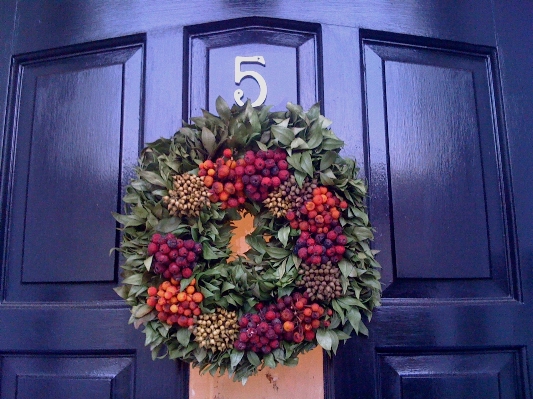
x: 432, y: 99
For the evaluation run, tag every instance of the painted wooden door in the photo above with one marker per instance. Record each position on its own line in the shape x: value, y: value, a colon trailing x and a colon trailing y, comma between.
x: 432, y: 98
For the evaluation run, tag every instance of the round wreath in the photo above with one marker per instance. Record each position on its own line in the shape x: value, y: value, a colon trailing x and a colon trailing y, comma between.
x: 309, y: 274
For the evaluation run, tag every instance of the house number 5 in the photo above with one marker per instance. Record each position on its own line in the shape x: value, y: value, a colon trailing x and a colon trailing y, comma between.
x: 240, y: 75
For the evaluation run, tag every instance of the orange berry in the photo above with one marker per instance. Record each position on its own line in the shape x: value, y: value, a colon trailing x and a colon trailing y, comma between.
x: 213, y: 197
x: 165, y: 285
x: 174, y: 308
x: 223, y: 171
x: 323, y: 190
x: 187, y: 312
x: 223, y: 196
x: 218, y: 187
x: 162, y: 301
x: 335, y: 214
x: 151, y: 301
x: 317, y: 199
x: 174, y: 282
x: 229, y: 188
x: 198, y: 297
x: 158, y: 307
x: 182, y: 296
x: 324, y: 198
x: 152, y: 291
x: 190, y: 289
x: 173, y: 300
x: 310, y: 205
x: 197, y: 312
x: 168, y: 295
x: 189, y: 298
x: 233, y: 165
x: 160, y: 293
x: 211, y: 172
x: 193, y: 282
x: 316, y: 191
x: 208, y: 164
x: 331, y: 201
x: 315, y: 307
x: 208, y: 181
x: 201, y: 166
x: 320, y: 208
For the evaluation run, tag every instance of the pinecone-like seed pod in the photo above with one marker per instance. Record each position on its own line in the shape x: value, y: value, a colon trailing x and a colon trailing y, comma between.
x: 321, y: 282
x: 216, y: 331
x: 188, y: 197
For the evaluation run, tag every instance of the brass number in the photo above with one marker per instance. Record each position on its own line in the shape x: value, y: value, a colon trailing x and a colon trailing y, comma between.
x: 240, y: 75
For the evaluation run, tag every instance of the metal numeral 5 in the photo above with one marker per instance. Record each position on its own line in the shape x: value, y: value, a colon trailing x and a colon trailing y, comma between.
x: 240, y: 75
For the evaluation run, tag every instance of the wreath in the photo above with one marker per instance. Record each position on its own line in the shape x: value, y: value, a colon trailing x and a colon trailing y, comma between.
x: 309, y: 275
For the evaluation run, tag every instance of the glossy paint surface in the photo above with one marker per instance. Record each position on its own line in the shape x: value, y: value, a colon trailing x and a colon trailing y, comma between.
x: 433, y: 99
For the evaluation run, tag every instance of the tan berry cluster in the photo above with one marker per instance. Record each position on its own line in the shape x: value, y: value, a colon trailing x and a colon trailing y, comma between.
x: 289, y: 196
x: 321, y: 282
x: 188, y: 197
x: 216, y: 331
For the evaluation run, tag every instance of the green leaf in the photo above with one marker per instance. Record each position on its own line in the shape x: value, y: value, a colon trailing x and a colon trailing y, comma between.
x: 183, y: 336
x: 283, y: 235
x: 121, y: 291
x: 300, y: 177
x: 208, y: 253
x: 295, y: 161
x: 200, y: 354
x: 332, y: 144
x: 208, y: 140
x: 148, y: 262
x: 269, y: 361
x: 307, y: 164
x: 168, y: 225
x: 278, y: 253
x: 152, y: 177
x: 222, y: 108
x: 235, y: 357
x: 227, y: 286
x: 324, y: 338
x: 253, y: 358
x: 346, y: 268
x: 134, y: 279
x: 327, y: 159
x: 141, y: 310
x: 282, y: 134
x: 354, y: 317
x: 299, y: 143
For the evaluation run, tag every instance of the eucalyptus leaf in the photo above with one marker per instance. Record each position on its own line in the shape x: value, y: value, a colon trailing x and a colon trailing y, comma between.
x: 282, y: 134
x: 327, y: 160
x: 253, y: 358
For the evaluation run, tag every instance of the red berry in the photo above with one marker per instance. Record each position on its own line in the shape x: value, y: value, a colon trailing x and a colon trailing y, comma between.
x: 156, y: 237
x: 228, y: 153
x: 339, y: 249
x: 152, y: 248
x: 284, y: 175
x: 283, y: 165
x: 259, y: 164
x: 186, y: 273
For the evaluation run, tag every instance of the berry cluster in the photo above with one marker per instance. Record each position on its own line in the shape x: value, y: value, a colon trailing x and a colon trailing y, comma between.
x: 188, y: 196
x: 223, y: 179
x: 292, y: 319
x: 263, y: 172
x: 175, y: 307
x: 173, y: 257
x: 321, y: 282
x: 216, y: 331
x: 321, y: 239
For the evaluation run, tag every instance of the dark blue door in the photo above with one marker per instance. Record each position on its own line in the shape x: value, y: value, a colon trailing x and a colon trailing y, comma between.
x: 432, y: 98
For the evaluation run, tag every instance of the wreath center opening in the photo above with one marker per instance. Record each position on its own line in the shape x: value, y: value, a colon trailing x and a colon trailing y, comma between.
x: 243, y: 227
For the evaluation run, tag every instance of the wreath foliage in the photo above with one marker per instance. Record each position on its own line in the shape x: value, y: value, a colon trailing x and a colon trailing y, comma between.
x: 239, y: 294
